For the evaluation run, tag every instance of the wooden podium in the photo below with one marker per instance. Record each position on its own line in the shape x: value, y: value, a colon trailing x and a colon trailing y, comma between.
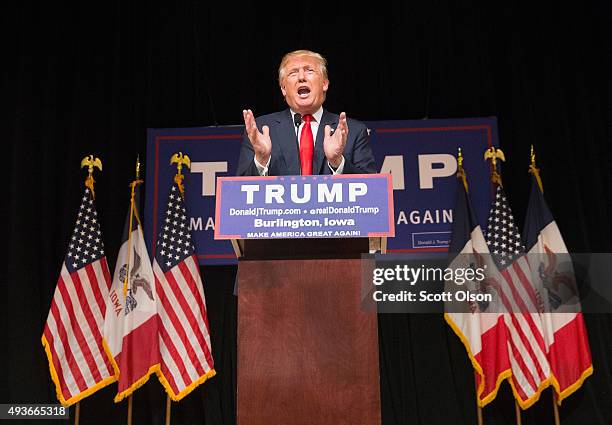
x: 307, y: 353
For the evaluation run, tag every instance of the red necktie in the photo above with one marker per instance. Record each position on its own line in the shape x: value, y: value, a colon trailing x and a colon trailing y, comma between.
x: 306, y: 146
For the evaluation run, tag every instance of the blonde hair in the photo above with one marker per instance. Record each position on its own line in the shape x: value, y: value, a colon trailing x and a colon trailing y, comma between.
x: 314, y: 55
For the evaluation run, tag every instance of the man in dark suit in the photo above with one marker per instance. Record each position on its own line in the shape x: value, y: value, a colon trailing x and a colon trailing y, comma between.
x: 304, y: 139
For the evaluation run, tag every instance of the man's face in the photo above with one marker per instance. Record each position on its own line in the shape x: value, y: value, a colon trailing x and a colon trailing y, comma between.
x: 303, y: 85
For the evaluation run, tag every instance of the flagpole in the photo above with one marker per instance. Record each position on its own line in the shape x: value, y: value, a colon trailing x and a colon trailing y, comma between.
x: 127, y: 273
x: 461, y: 175
x: 91, y: 163
x: 535, y: 171
x: 555, y: 408
x: 77, y: 413
x: 517, y: 410
x: 129, y: 254
x: 478, y: 408
x: 129, y: 418
x: 168, y: 407
x: 493, y: 155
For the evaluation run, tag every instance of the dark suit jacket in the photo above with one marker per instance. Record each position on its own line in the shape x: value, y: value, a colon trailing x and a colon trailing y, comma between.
x: 285, y: 159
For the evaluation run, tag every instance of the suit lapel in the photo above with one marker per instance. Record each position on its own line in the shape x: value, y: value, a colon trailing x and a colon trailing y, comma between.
x: 288, y: 143
x: 319, y: 154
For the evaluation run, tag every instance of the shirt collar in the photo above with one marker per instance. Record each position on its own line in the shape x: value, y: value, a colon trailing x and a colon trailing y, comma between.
x: 317, y: 115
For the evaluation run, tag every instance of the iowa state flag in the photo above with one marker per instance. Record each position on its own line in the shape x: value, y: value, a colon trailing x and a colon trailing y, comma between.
x: 565, y: 334
x: 130, y: 327
x: 482, y: 329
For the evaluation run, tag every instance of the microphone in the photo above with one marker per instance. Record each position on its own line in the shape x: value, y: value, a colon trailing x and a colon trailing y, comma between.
x: 297, y: 120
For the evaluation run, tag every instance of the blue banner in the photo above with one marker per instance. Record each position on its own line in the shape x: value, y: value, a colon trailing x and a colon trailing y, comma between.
x: 419, y: 155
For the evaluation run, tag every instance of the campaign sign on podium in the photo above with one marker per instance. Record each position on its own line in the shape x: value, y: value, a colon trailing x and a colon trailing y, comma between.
x: 285, y: 207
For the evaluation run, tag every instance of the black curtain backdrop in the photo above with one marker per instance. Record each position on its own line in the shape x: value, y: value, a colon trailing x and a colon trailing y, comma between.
x: 92, y: 77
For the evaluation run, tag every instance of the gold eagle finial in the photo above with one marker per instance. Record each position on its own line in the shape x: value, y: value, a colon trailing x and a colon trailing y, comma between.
x: 493, y: 155
x: 180, y: 160
x: 90, y: 162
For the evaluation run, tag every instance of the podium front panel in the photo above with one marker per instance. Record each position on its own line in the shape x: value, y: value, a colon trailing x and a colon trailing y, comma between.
x: 307, y: 353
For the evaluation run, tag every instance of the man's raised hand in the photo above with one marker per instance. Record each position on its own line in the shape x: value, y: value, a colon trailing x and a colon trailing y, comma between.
x: 261, y: 142
x: 334, y: 144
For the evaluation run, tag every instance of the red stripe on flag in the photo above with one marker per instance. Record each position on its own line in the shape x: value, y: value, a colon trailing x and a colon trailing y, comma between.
x: 94, y: 284
x: 74, y: 367
x: 164, y: 334
x: 169, y: 377
x: 516, y: 326
x: 526, y: 372
x: 192, y: 284
x: 93, y: 325
x: 526, y: 282
x: 176, y: 357
x: 527, y: 344
x: 179, y: 326
x: 106, y: 273
x: 525, y: 311
x: 532, y: 327
x: 57, y: 364
x: 528, y: 285
x: 509, y: 308
x: 201, y: 302
x: 76, y: 327
x: 522, y: 307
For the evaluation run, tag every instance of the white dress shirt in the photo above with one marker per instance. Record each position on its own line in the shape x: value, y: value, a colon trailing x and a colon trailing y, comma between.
x: 314, y: 126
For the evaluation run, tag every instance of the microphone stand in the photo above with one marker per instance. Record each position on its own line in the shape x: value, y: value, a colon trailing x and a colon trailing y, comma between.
x: 297, y: 121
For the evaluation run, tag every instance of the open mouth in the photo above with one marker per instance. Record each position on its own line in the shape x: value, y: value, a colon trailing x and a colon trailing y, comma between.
x: 303, y: 92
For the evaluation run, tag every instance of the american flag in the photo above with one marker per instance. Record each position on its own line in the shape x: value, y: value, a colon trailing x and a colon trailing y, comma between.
x: 72, y: 338
x: 522, y: 302
x: 184, y: 336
